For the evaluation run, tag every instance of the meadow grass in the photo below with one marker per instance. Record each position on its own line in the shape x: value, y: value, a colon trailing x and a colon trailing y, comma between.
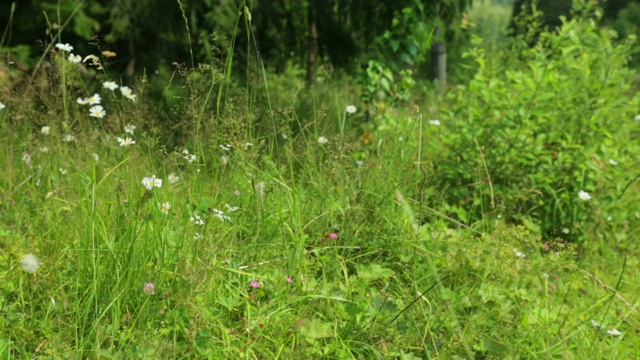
x: 275, y: 229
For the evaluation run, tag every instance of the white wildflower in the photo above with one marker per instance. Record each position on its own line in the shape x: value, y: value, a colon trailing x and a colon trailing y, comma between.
x: 64, y: 47
x: 129, y: 129
x: 95, y: 99
x: 126, y: 141
x: 68, y: 138
x: 614, y: 332
x: 110, y: 85
x: 583, y: 195
x: 126, y: 92
x: 164, y: 207
x: 74, y: 58
x: 151, y: 182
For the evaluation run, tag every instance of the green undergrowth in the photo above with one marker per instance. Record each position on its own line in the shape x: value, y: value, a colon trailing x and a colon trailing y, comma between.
x: 288, y: 227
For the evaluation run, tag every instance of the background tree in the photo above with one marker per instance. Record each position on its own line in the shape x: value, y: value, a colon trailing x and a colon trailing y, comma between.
x: 151, y: 34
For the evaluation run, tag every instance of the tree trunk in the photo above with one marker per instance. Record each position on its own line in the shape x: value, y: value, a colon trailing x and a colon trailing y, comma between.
x: 313, y: 44
x: 439, y: 59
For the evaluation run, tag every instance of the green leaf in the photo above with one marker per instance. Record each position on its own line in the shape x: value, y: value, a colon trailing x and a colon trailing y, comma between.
x: 374, y: 272
x: 395, y: 45
x: 316, y: 329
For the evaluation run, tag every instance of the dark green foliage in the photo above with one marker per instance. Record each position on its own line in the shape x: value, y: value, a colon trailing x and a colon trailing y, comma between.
x: 148, y: 35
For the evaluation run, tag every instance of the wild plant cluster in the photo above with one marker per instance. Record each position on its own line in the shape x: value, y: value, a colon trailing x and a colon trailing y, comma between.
x: 496, y: 220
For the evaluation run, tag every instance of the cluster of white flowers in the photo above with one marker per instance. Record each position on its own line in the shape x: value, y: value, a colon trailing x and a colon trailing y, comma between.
x: 68, y: 48
x: 96, y: 109
x: 519, y: 254
x: 220, y: 215
x: 197, y: 219
x: 188, y: 156
x: 323, y: 140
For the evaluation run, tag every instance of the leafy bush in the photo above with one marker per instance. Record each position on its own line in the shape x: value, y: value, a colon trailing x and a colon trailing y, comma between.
x: 544, y: 129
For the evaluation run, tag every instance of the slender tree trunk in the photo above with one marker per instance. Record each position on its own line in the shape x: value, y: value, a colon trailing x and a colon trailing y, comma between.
x: 439, y: 59
x: 313, y: 44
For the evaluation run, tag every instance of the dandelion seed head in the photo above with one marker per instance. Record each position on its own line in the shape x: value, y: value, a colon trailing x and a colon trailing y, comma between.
x: 351, y: 109
x: 30, y: 263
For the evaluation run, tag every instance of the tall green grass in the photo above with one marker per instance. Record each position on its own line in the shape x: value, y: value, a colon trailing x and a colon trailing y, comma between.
x: 347, y: 248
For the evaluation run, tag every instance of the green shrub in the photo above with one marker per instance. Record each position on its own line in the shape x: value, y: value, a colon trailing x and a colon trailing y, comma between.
x: 557, y: 122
